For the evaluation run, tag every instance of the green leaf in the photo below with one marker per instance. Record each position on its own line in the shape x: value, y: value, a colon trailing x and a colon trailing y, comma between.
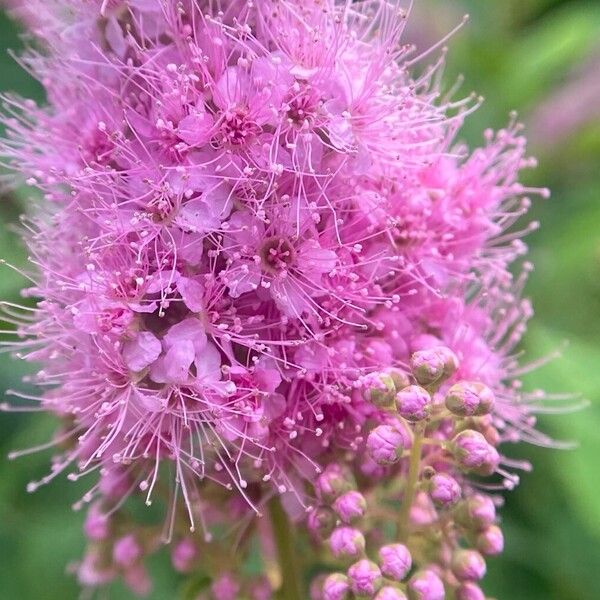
x: 576, y: 371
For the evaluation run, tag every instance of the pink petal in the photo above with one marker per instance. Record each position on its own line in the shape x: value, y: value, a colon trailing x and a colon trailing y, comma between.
x: 197, y: 216
x: 150, y: 401
x: 196, y: 129
x: 274, y: 406
x: 267, y: 375
x: 244, y: 277
x: 175, y: 365
x: 189, y: 330
x: 313, y: 357
x: 289, y: 297
x: 314, y: 259
x: 191, y: 292
x: 232, y: 88
x: 142, y: 351
x: 208, y: 364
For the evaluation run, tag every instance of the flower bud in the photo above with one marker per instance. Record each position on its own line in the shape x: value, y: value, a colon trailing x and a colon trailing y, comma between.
x: 261, y: 589
x: 469, y: 591
x: 473, y: 453
x: 395, y: 561
x: 138, y: 580
x: 476, y: 512
x: 444, y: 490
x: 400, y: 378
x: 425, y: 585
x: 468, y: 565
x: 365, y: 578
x: 97, y: 525
x: 126, y: 551
x: 350, y: 506
x: 347, y: 542
x: 321, y: 522
x: 184, y: 555
x: 384, y: 444
x: 336, y: 587
x: 491, y: 434
x: 226, y: 587
x: 316, y: 587
x: 380, y: 390
x: 93, y: 571
x: 413, y: 403
x: 402, y: 427
x: 490, y: 541
x: 333, y: 481
x: 433, y: 365
x: 114, y: 483
x: 422, y: 512
x: 390, y: 593
x: 468, y: 399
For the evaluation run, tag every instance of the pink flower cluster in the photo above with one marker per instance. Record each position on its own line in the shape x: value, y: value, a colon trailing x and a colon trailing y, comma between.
x: 252, y: 216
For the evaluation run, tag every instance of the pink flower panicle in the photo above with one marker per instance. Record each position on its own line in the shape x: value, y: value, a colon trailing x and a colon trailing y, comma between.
x: 264, y: 266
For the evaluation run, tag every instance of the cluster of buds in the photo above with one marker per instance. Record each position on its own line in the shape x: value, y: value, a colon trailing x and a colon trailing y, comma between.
x: 114, y: 550
x: 118, y: 548
x: 431, y: 431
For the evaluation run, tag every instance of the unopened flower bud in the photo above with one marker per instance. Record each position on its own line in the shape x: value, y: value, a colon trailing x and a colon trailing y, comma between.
x: 184, y: 555
x: 321, y: 522
x: 413, y: 403
x: 390, y: 593
x: 226, y: 587
x: 444, y: 490
x: 384, y: 444
x: 422, y: 512
x: 347, y: 542
x: 468, y: 399
x: 491, y: 434
x: 336, y: 587
x: 433, y: 365
x: 425, y: 585
x: 473, y: 453
x: 334, y: 481
x: 468, y: 565
x: 400, y: 378
x: 403, y: 428
x: 380, y: 390
x: 261, y: 589
x: 316, y: 587
x: 490, y: 541
x: 97, y: 524
x: 469, y: 591
x: 395, y: 561
x: 126, y: 551
x: 93, y: 571
x: 350, y: 506
x: 476, y: 512
x: 114, y: 483
x: 138, y: 580
x: 365, y: 578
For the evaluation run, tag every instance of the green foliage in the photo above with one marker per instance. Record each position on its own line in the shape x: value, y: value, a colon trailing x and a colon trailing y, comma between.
x: 516, y: 53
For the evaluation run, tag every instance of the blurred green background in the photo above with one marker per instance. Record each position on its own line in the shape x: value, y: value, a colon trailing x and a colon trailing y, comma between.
x: 541, y: 57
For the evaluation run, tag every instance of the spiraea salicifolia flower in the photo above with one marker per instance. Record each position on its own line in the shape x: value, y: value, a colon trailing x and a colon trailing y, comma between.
x: 268, y: 278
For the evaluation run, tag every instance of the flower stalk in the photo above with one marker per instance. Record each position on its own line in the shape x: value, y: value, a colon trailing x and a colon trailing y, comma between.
x: 412, y: 480
x: 283, y: 536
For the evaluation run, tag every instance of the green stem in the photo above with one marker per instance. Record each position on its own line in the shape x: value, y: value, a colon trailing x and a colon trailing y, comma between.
x: 283, y: 535
x: 412, y: 480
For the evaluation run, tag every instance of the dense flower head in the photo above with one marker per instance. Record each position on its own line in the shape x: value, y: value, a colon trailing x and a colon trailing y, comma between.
x: 265, y: 266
